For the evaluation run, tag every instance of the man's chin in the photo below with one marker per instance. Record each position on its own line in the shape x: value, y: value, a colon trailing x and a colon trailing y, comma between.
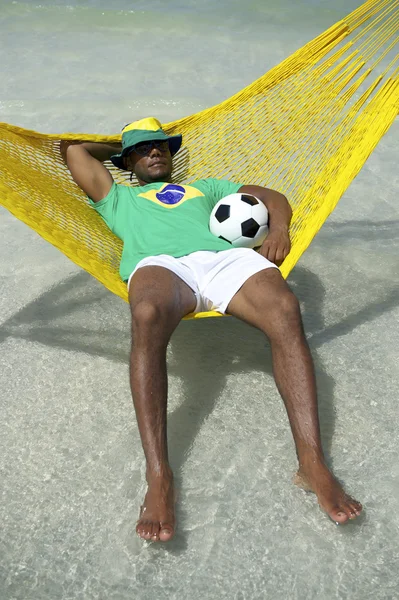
x: 161, y: 176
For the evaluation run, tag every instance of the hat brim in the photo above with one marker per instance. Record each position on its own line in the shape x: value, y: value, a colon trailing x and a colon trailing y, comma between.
x: 175, y: 142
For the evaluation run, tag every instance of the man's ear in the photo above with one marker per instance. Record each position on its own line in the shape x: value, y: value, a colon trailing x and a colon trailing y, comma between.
x: 128, y: 162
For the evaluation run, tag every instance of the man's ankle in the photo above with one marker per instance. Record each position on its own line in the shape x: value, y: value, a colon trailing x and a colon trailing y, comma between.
x: 158, y: 472
x: 310, y: 456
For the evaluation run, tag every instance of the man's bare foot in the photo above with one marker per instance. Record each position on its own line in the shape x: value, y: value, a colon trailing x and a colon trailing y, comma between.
x: 157, y: 515
x: 316, y: 477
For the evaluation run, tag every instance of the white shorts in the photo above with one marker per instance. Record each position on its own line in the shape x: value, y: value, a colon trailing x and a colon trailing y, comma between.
x: 214, y: 277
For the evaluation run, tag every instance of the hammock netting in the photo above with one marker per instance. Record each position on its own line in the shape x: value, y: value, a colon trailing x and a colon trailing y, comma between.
x: 305, y: 128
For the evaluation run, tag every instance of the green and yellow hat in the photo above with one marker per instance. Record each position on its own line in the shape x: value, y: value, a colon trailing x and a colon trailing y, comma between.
x: 144, y: 130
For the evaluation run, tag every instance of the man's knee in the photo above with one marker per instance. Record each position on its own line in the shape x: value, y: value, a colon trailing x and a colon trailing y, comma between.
x: 155, y: 319
x: 288, y: 306
x: 284, y: 317
x: 147, y: 314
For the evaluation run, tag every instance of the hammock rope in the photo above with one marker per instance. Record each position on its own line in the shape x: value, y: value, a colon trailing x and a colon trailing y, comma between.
x: 305, y: 128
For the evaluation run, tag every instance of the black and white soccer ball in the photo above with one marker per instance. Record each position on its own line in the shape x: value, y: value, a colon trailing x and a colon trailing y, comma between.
x: 240, y: 219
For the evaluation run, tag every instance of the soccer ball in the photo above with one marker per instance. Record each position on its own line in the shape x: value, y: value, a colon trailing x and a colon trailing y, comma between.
x: 240, y: 219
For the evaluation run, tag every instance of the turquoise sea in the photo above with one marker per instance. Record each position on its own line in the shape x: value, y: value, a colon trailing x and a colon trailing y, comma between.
x: 72, y: 470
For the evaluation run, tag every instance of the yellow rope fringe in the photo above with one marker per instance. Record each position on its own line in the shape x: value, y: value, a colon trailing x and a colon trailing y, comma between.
x: 305, y: 128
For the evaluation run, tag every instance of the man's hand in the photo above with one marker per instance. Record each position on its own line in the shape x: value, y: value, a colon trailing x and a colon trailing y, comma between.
x: 276, y: 246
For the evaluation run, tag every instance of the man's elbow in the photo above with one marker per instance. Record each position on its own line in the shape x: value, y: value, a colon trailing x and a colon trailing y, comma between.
x: 278, y: 198
x: 289, y: 207
x: 68, y: 146
x: 63, y: 149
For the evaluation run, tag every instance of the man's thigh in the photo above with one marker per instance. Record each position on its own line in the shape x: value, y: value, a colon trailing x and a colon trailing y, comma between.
x: 262, y: 298
x: 158, y: 287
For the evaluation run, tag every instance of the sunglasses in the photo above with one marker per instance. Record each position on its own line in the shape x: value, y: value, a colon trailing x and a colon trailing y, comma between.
x: 146, y: 147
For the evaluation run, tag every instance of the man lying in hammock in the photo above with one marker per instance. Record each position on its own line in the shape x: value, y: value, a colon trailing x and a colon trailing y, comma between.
x: 174, y: 266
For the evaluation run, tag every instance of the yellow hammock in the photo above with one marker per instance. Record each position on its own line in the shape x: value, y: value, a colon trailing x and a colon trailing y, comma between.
x: 305, y: 128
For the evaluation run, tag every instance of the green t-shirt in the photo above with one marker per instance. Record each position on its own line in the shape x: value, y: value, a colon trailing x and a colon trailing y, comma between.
x: 163, y: 218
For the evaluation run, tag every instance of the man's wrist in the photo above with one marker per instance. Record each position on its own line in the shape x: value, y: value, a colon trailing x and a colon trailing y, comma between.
x: 278, y: 227
x: 102, y: 151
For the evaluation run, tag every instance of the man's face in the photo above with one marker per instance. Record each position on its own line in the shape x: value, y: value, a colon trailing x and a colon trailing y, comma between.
x: 155, y: 165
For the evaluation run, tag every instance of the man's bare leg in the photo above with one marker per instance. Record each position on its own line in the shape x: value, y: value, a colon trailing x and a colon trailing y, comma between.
x: 266, y: 302
x: 158, y: 300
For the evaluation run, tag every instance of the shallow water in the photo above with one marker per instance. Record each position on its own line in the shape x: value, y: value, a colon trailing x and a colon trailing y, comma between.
x: 70, y: 452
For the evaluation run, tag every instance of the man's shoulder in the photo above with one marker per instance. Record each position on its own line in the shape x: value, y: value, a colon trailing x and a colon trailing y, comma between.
x: 214, y: 183
x: 204, y: 179
x: 204, y: 182
x: 211, y: 180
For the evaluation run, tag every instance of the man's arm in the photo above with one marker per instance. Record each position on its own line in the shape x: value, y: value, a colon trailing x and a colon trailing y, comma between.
x: 277, y: 244
x: 84, y: 160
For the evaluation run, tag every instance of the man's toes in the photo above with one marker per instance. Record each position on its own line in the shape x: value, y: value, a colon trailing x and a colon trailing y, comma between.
x: 154, y: 531
x: 143, y: 530
x: 154, y: 537
x: 353, y: 513
x: 345, y: 511
x: 356, y: 507
x: 352, y: 508
x: 148, y: 535
x: 166, y: 532
x: 140, y: 530
x: 338, y: 514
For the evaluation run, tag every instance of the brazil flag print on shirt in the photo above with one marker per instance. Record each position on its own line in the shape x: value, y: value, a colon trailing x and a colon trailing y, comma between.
x: 163, y: 218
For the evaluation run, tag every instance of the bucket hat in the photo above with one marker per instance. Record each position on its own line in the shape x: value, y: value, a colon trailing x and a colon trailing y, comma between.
x: 144, y: 130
